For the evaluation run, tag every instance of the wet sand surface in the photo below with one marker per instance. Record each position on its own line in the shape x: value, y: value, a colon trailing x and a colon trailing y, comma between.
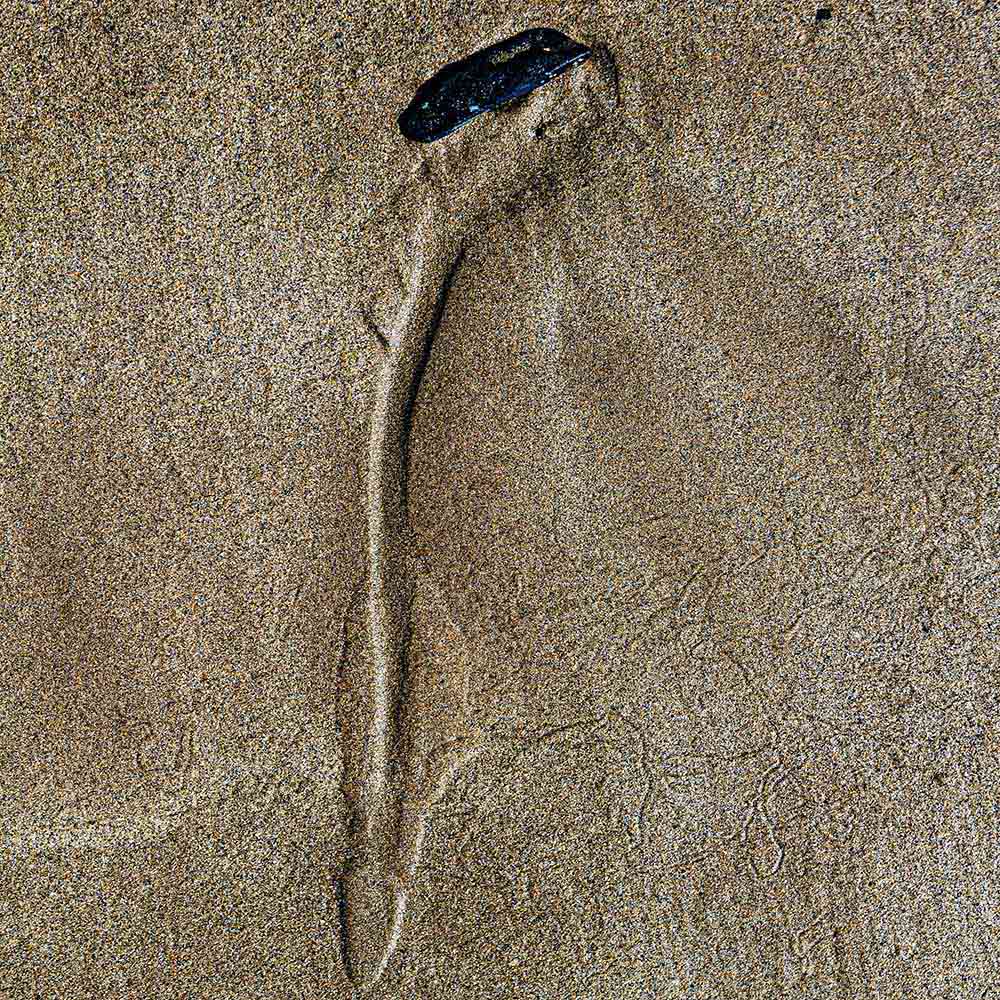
x: 702, y: 501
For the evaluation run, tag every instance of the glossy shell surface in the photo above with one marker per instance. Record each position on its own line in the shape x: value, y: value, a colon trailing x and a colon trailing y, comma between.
x: 487, y: 80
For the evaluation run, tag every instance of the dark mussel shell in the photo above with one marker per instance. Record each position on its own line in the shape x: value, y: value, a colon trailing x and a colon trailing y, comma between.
x: 487, y: 80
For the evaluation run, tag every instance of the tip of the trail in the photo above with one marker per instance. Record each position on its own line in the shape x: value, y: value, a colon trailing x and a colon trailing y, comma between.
x: 372, y: 907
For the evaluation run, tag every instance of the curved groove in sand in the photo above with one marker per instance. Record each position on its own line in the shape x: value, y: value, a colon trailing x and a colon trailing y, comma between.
x: 373, y: 894
x: 388, y: 820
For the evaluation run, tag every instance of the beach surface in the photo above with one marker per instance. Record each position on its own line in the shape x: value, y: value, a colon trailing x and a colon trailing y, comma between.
x: 702, y: 500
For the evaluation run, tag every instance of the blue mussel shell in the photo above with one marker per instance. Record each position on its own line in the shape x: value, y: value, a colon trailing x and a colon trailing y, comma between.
x: 486, y: 80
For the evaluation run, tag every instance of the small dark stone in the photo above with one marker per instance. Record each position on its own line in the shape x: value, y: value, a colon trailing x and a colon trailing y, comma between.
x: 487, y: 80
x: 824, y: 14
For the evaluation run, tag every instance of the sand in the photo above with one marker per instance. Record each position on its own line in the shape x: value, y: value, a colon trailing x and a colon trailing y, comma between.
x: 702, y: 491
